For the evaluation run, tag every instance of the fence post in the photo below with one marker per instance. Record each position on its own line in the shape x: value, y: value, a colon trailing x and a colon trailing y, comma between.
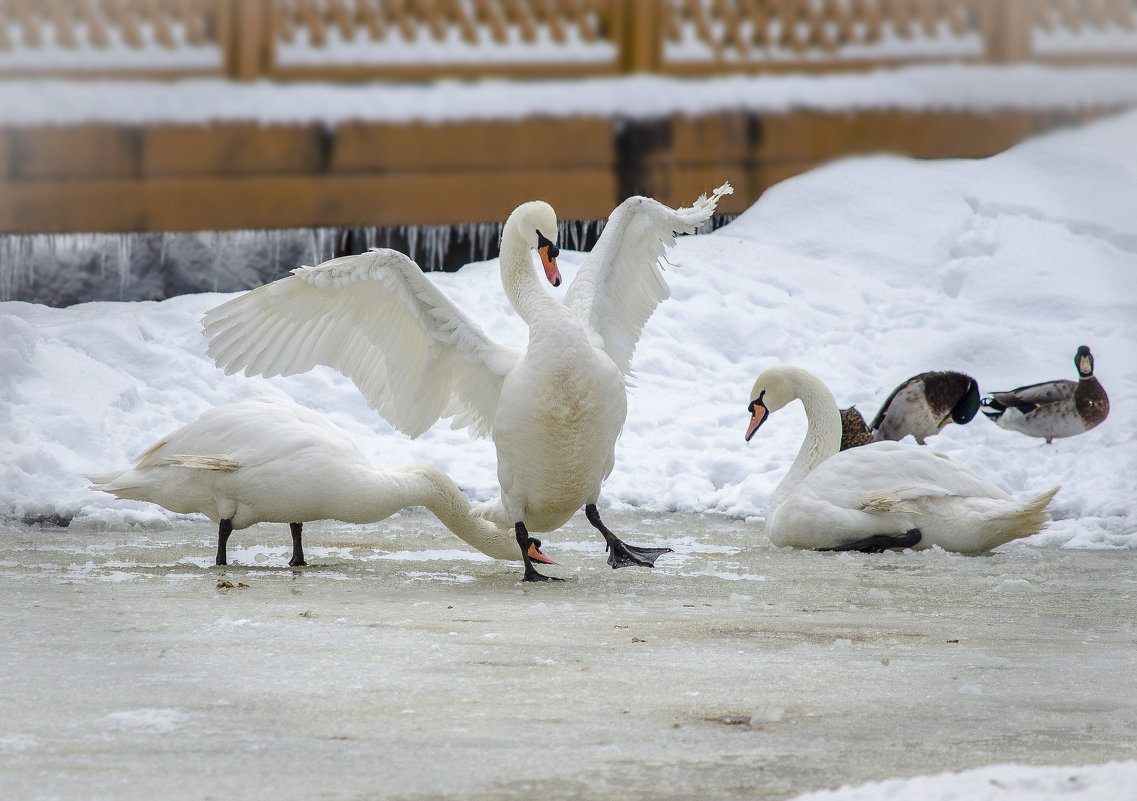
x: 1009, y: 34
x: 641, y: 39
x: 249, y: 27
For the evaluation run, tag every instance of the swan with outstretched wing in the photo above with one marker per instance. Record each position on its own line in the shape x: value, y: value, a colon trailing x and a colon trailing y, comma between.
x: 554, y: 412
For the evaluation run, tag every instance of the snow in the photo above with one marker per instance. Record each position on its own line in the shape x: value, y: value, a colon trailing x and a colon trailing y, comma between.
x: 197, y: 102
x: 1110, y: 782
x: 864, y: 271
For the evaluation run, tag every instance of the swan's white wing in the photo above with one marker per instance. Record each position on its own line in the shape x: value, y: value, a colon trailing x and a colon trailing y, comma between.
x: 377, y: 319
x: 620, y: 283
x: 891, y: 476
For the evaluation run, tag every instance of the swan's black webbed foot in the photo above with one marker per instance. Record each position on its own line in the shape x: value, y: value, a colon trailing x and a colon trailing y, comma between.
x: 620, y: 553
x: 523, y: 542
x: 297, y: 559
x: 224, y: 529
x: 878, y: 543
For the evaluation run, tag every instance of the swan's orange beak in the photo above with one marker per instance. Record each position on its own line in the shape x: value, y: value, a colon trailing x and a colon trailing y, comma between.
x: 549, y: 262
x: 536, y: 555
x: 758, y: 415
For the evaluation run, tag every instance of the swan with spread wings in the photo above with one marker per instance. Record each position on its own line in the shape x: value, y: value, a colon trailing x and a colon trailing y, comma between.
x: 554, y: 411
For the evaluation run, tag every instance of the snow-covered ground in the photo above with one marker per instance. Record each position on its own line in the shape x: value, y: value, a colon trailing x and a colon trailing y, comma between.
x: 865, y: 271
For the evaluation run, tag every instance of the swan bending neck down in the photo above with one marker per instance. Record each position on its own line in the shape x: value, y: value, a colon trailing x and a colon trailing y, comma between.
x: 882, y: 495
x: 554, y: 411
x: 262, y: 460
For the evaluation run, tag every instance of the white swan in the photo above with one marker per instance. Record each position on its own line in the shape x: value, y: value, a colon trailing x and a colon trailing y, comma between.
x: 261, y: 460
x: 554, y: 412
x: 882, y: 495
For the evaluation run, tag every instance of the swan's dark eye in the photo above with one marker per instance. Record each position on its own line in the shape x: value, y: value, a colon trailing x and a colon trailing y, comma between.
x: 544, y: 242
x: 757, y: 402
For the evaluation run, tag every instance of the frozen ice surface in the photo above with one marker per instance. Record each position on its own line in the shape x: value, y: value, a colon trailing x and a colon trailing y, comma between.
x: 401, y: 664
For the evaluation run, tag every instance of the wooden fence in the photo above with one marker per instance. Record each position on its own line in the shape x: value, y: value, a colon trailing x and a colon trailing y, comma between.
x: 376, y: 39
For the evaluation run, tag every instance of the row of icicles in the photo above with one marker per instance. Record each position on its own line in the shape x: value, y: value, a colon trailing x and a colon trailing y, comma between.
x: 61, y: 269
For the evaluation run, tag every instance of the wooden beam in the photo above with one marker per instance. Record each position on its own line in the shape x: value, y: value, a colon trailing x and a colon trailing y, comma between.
x: 297, y: 202
x: 538, y: 143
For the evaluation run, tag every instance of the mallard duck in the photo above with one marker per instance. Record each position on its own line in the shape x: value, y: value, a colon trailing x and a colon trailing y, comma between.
x: 883, y: 495
x: 262, y: 460
x: 854, y: 432
x: 1060, y: 408
x: 924, y: 404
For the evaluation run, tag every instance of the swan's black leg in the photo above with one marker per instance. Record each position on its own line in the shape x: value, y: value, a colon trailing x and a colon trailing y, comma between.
x: 878, y: 543
x: 524, y: 541
x: 224, y: 529
x: 620, y: 554
x: 297, y: 545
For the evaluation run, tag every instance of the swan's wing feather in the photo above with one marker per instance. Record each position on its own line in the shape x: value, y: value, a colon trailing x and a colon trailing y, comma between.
x: 892, y: 476
x: 377, y: 319
x: 198, y: 461
x: 620, y: 283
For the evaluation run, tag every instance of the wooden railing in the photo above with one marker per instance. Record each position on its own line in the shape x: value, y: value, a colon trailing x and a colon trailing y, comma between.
x: 362, y: 39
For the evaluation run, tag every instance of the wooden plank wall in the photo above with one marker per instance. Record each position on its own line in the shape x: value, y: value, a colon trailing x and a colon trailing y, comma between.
x: 235, y: 176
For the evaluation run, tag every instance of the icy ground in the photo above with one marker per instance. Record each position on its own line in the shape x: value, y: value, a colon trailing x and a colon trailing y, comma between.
x: 400, y: 664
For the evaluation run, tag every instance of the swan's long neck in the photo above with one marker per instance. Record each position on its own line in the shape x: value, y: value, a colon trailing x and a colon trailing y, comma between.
x: 519, y: 278
x: 426, y: 485
x: 822, y: 438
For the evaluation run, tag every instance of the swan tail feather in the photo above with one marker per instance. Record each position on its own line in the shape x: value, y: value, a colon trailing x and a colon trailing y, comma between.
x: 1028, y: 517
x: 126, y: 484
x: 101, y: 480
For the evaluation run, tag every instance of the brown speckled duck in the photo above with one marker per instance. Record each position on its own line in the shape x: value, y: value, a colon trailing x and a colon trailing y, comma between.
x: 924, y: 404
x: 854, y: 432
x: 1052, y: 409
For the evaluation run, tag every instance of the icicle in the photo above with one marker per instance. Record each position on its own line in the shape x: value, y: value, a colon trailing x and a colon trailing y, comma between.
x: 6, y: 292
x: 438, y: 246
x: 411, y: 232
x: 218, y: 244
x: 314, y: 255
x: 125, y: 248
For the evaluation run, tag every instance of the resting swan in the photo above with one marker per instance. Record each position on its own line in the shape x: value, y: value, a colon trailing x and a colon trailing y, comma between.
x: 261, y: 460
x: 882, y: 495
x: 554, y: 411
